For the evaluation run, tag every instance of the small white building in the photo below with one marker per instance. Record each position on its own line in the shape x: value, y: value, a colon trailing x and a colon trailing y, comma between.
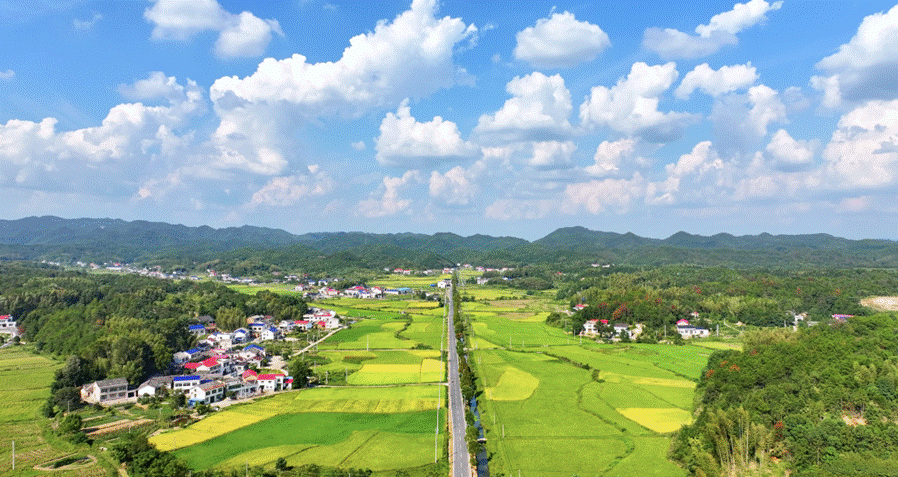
x: 185, y: 383
x: 207, y: 393
x: 105, y: 390
x: 270, y: 382
x: 154, y: 385
x: 270, y: 333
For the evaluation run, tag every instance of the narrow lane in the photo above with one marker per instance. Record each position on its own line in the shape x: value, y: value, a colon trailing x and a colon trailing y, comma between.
x: 461, y: 460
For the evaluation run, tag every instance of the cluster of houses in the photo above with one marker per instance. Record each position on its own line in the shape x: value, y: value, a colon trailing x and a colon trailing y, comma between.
x: 358, y: 291
x: 212, y: 374
x: 221, y: 365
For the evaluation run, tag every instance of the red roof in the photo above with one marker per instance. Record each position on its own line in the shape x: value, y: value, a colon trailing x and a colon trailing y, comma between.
x: 322, y: 323
x: 604, y: 322
x: 269, y: 377
x: 192, y: 365
x: 302, y: 322
x: 682, y: 322
x: 593, y: 321
x: 250, y: 374
x: 4, y: 317
x: 210, y: 362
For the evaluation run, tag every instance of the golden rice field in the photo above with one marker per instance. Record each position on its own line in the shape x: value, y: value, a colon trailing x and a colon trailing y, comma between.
x: 429, y: 370
x: 661, y: 420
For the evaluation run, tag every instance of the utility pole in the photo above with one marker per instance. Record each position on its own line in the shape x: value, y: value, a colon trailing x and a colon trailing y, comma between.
x: 13, y: 455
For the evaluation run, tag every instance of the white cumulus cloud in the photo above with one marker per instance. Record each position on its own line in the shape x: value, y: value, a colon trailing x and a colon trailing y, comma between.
x: 389, y: 202
x: 863, y: 151
x: 537, y: 111
x: 404, y: 141
x: 864, y: 68
x: 289, y: 190
x: 240, y: 35
x: 560, y: 41
x: 631, y: 106
x: 456, y: 186
x: 719, y: 32
x: 741, y: 120
x: 7, y: 75
x: 717, y: 82
x: 786, y: 150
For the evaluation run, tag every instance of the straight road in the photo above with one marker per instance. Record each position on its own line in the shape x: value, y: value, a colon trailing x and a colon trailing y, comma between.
x: 461, y: 460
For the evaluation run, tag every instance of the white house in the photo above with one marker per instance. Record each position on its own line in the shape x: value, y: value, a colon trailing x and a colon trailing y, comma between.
x: 207, y: 393
x: 8, y: 325
x: 618, y: 327
x: 590, y: 327
x: 444, y: 283
x: 270, y: 382
x: 240, y: 335
x: 198, y: 330
x: 287, y: 326
x: 184, y: 383
x: 153, y: 385
x: 181, y: 357
x: 270, y: 333
x: 688, y: 331
x: 105, y: 390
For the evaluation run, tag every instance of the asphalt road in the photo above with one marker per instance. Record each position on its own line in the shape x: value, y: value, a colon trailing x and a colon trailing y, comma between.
x: 461, y: 460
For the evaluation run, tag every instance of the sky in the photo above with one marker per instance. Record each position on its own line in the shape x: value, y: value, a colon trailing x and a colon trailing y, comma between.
x: 490, y: 117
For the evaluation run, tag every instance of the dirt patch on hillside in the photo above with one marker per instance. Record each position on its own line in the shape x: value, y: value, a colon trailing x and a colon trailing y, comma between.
x: 115, y: 426
x: 881, y: 303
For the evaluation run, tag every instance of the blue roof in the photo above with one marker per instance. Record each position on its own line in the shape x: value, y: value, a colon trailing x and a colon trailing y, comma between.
x: 273, y: 329
x: 240, y: 330
x: 257, y: 325
x: 192, y: 377
x: 254, y: 346
x: 194, y: 351
x: 197, y: 327
x: 404, y: 289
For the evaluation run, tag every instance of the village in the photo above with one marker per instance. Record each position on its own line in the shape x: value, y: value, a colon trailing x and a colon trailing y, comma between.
x: 222, y: 365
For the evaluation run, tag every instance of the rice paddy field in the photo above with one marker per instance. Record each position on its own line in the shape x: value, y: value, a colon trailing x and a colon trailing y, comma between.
x: 25, y: 381
x: 383, y: 429
x: 381, y: 409
x: 544, y: 416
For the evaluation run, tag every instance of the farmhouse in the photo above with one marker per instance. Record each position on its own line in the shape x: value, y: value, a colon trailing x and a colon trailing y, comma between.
x: 105, y: 391
x: 183, y: 383
x: 688, y: 331
x: 153, y: 385
x: 591, y: 327
x: 270, y: 382
x: 8, y: 325
x: 270, y: 333
x: 207, y: 393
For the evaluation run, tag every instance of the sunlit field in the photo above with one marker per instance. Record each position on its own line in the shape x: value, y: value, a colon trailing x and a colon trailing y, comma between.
x: 539, y: 402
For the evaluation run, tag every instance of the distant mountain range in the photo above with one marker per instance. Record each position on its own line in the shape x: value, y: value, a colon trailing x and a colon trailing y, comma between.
x: 257, y: 249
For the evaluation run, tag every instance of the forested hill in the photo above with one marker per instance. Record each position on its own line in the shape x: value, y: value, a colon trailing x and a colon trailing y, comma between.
x: 255, y: 249
x: 822, y: 402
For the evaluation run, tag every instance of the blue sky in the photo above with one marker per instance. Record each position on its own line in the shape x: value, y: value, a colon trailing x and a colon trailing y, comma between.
x: 501, y: 118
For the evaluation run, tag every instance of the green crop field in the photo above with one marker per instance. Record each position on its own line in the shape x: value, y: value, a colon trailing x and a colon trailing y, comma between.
x: 25, y: 381
x: 545, y: 416
x: 376, y: 441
